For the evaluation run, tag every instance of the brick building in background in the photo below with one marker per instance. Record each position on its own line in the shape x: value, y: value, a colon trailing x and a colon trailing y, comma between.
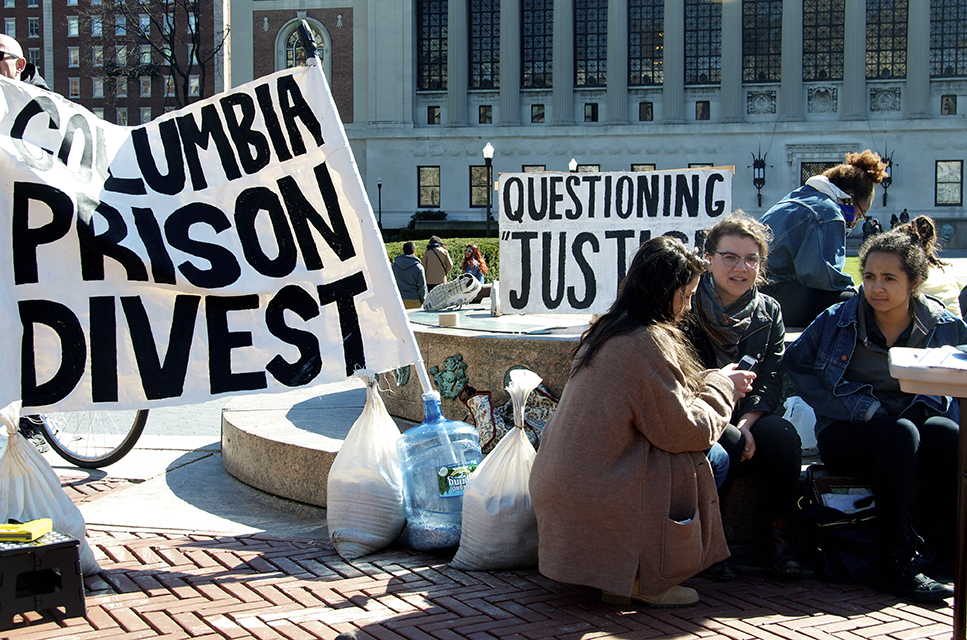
x: 114, y: 57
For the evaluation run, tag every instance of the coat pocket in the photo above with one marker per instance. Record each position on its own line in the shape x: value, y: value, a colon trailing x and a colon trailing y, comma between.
x: 681, y: 547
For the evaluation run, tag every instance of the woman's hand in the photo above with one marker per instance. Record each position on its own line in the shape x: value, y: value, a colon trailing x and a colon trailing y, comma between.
x: 741, y: 378
x: 744, y: 425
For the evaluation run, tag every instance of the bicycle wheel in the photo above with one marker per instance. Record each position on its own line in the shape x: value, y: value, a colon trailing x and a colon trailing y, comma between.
x: 93, y: 439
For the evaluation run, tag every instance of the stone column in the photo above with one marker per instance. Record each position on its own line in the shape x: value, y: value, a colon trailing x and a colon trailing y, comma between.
x: 563, y: 105
x: 854, y: 99
x: 916, y: 95
x: 732, y: 93
x: 458, y: 57
x: 673, y: 63
x: 617, y: 98
x: 790, y: 89
x: 509, y: 62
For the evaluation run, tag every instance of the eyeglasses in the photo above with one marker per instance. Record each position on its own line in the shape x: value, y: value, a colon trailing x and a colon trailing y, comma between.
x: 468, y: 250
x: 730, y: 259
x: 6, y: 54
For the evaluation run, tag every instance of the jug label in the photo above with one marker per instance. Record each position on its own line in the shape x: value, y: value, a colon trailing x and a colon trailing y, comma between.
x: 453, y: 478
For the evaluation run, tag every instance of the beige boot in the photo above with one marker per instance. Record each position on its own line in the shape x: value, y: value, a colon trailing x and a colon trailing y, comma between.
x: 671, y: 598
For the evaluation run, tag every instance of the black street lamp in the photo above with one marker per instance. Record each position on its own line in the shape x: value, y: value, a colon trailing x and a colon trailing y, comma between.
x: 488, y: 154
x: 379, y: 200
x: 888, y: 180
x: 759, y: 173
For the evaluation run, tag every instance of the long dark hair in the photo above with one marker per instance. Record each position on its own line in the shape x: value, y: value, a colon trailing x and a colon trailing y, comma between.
x: 472, y: 255
x: 914, y: 243
x: 660, y: 269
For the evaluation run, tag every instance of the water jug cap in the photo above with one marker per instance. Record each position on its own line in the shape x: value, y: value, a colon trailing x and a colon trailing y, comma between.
x: 431, y: 395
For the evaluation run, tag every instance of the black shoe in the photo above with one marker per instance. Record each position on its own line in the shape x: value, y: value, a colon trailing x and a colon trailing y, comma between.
x: 782, y: 564
x: 904, y: 582
x: 30, y: 431
x: 720, y: 572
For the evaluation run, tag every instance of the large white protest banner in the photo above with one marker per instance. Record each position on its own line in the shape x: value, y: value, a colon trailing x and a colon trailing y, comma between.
x: 566, y: 239
x: 224, y: 248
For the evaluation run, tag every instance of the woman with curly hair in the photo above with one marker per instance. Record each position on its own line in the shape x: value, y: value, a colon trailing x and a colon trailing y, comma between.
x: 904, y: 444
x: 474, y: 263
x: 809, y: 228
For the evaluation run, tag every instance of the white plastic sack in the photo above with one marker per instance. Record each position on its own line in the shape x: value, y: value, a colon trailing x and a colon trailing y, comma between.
x: 499, y: 528
x: 365, y: 488
x: 29, y: 489
x: 802, y: 416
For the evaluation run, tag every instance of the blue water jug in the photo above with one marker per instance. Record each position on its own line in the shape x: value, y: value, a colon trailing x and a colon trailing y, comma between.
x: 436, y: 458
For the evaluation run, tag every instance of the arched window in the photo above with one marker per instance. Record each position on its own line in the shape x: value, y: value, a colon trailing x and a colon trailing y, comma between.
x: 290, y: 52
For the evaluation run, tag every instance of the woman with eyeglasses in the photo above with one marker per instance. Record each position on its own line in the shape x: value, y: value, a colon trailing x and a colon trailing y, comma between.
x: 732, y: 319
x: 867, y: 427
x: 809, y: 228
x: 474, y: 263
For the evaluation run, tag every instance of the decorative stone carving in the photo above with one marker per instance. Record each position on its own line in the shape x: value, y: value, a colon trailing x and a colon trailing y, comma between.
x: 885, y: 99
x: 760, y: 103
x: 402, y: 375
x: 823, y: 99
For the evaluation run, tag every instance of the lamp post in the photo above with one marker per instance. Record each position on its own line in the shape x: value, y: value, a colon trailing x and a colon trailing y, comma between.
x: 759, y: 173
x: 379, y: 200
x: 488, y: 154
x: 888, y: 180
x: 572, y: 165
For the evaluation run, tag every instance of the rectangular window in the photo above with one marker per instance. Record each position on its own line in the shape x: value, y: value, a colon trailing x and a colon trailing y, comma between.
x: 537, y: 113
x: 703, y: 110
x: 533, y: 168
x: 703, y: 42
x: 431, y: 45
x: 484, y: 40
x: 167, y: 21
x: 823, y: 28
x: 9, y: 4
x: 641, y: 168
x: 886, y: 39
x: 33, y: 3
x: 166, y: 54
x: 950, y: 183
x: 192, y: 54
x: 73, y: 87
x: 144, y: 24
x: 948, y: 105
x: 10, y: 27
x: 96, y: 26
x: 761, y: 40
x: 97, y: 56
x: 428, y: 186
x: 33, y: 27
x: 479, y: 186
x: 948, y: 39
x: 192, y: 24
x: 590, y: 43
x: 123, y: 116
x: 99, y: 112
x: 73, y: 26
x: 95, y: 1
x: 120, y: 25
x: 71, y: 3
x: 646, y: 112
x: 194, y: 85
x: 169, y: 86
x: 433, y: 115
x: 646, y: 41
x: 121, y: 86
x: 121, y: 55
x: 33, y: 57
x: 97, y: 87
x: 485, y: 114
x: 589, y: 168
x: 145, y: 86
x: 145, y: 115
x: 73, y: 56
x: 537, y: 44
x: 591, y: 112
x: 145, y: 54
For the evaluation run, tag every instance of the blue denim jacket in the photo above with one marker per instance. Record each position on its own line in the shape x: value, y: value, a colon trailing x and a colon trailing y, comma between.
x: 817, y: 361
x: 808, y: 241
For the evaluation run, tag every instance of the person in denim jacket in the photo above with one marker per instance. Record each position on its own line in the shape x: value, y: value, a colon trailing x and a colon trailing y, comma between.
x: 866, y: 427
x: 731, y: 318
x: 809, y: 229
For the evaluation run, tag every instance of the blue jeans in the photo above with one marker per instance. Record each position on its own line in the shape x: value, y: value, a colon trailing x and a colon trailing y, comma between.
x: 718, y: 459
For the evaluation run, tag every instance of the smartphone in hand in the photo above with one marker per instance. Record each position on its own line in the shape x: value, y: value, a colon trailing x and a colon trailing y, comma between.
x: 747, y: 363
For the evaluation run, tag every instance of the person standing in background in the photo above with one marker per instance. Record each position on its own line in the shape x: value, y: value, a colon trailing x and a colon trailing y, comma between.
x: 436, y: 262
x: 410, y: 277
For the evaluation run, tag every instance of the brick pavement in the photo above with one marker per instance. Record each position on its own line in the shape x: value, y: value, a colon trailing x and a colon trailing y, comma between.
x: 171, y: 585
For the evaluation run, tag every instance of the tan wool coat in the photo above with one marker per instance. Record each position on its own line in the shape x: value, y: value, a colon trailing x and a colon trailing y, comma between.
x: 621, y: 485
x: 437, y: 264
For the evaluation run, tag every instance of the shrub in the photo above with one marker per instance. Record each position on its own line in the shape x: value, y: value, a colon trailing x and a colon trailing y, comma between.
x: 429, y: 214
x: 489, y: 248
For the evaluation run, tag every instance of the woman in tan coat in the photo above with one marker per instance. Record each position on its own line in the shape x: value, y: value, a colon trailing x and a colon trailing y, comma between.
x: 623, y: 492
